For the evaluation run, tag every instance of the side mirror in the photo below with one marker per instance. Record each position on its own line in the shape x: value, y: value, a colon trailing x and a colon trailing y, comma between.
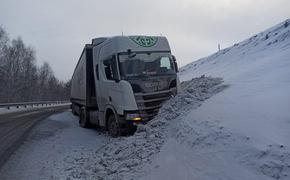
x: 175, y: 63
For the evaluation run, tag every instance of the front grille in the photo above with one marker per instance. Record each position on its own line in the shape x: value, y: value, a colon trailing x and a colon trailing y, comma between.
x: 159, y: 95
x: 153, y: 103
x: 150, y: 103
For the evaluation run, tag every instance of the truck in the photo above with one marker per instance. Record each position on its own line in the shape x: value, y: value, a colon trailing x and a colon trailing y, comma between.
x: 121, y: 81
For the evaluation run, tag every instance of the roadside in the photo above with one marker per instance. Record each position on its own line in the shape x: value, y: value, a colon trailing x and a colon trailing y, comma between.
x: 15, y: 126
x: 42, y: 154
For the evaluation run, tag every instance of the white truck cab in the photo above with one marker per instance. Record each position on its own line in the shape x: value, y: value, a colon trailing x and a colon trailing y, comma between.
x: 123, y: 80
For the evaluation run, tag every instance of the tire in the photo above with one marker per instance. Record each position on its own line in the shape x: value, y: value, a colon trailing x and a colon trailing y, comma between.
x: 84, y: 118
x: 113, y: 126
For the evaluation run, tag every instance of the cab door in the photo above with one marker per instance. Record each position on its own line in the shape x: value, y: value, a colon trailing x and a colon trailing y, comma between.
x: 110, y: 86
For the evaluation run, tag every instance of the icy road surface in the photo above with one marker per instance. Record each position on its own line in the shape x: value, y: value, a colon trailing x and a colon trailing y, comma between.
x: 43, y: 154
x: 15, y: 126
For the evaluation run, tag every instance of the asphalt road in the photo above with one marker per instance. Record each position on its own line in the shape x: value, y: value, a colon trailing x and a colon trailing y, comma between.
x: 15, y: 126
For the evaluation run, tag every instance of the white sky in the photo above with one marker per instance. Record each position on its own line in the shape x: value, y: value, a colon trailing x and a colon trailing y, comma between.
x: 58, y: 29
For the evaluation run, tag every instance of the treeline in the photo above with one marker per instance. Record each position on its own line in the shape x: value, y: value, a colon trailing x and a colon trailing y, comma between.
x: 21, y: 80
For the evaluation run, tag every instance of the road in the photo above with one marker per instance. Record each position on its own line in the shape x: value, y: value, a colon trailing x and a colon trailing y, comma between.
x: 15, y: 126
x: 51, y: 149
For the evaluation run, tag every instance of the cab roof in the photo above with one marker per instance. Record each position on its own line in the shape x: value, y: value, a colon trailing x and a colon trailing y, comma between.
x: 134, y: 43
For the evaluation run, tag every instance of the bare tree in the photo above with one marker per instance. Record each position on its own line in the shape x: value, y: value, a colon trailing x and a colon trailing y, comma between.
x: 3, y: 47
x: 20, y: 78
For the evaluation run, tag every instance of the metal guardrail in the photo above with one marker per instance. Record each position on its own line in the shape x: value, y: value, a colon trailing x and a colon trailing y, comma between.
x: 31, y: 104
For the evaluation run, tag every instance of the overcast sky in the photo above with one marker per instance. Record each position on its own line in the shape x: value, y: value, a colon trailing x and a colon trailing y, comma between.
x: 58, y: 29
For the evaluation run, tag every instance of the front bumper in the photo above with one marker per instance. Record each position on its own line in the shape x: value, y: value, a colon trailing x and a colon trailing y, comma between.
x: 149, y: 103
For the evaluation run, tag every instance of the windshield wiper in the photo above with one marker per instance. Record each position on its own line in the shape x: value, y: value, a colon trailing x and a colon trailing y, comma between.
x: 143, y: 75
x: 138, y: 76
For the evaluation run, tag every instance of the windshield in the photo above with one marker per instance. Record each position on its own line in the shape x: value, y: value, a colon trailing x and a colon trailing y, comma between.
x: 145, y: 64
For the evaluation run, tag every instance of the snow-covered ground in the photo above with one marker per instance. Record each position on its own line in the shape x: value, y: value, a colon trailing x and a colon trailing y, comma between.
x: 236, y: 129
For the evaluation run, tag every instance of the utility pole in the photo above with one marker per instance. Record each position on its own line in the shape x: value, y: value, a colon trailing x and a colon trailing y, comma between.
x: 219, y: 47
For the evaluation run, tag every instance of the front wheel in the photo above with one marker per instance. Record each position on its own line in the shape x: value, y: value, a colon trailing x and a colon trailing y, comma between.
x: 84, y: 118
x: 113, y: 126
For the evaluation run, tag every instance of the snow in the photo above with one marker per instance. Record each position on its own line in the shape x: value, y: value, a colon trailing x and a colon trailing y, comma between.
x: 233, y: 125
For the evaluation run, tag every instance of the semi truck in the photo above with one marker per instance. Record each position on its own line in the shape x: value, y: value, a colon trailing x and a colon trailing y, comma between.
x: 123, y: 80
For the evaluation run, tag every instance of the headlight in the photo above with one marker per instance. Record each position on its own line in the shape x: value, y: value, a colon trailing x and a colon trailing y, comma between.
x: 133, y: 117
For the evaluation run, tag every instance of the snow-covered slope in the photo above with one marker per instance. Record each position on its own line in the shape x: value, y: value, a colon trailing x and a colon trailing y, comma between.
x: 264, y: 55
x: 258, y: 71
x: 242, y: 132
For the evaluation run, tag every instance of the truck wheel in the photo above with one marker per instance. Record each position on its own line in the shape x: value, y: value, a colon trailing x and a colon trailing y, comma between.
x: 84, y: 118
x: 113, y: 126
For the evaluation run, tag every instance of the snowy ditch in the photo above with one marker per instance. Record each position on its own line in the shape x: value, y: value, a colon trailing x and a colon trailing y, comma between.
x: 123, y: 158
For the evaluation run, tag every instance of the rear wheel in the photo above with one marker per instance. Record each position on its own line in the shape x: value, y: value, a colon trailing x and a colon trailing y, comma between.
x: 84, y: 118
x: 113, y: 126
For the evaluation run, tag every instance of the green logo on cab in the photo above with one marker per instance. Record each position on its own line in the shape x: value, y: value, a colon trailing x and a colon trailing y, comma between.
x: 145, y: 41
